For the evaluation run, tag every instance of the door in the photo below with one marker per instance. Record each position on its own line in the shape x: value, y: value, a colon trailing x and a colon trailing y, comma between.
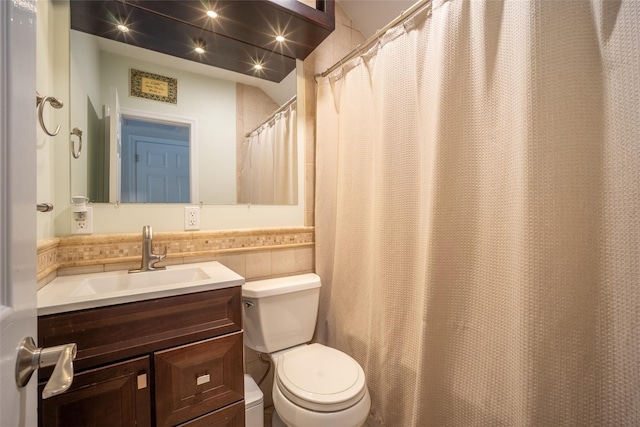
x: 17, y: 204
x: 162, y: 171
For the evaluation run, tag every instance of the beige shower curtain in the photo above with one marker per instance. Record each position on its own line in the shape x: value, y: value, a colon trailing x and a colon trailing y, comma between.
x: 269, y: 155
x: 478, y: 214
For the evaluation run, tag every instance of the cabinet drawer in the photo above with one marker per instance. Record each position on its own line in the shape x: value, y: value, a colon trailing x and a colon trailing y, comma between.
x: 111, y: 396
x: 106, y: 334
x: 194, y: 379
x: 231, y: 416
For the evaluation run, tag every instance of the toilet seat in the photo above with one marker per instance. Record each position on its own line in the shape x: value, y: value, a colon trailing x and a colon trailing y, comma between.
x: 320, y: 378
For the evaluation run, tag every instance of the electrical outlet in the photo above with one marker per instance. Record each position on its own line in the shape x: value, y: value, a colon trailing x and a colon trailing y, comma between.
x: 192, y: 218
x: 85, y: 226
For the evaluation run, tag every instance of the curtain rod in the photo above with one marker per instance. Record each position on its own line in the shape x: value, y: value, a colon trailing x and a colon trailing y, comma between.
x: 379, y: 33
x: 268, y: 119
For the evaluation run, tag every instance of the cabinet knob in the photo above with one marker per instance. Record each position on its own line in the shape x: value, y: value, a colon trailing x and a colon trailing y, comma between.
x: 142, y: 381
x: 203, y: 379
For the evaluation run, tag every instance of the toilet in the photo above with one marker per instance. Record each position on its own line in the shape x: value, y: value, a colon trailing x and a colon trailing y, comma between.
x: 314, y: 385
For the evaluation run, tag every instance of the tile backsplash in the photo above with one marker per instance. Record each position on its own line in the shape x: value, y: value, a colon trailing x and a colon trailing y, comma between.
x: 254, y: 254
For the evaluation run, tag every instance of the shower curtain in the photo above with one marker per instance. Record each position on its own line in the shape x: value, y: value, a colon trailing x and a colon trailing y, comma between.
x: 478, y: 214
x: 269, y: 174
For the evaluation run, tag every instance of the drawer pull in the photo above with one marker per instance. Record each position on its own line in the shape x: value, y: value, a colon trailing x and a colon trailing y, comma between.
x: 203, y: 379
x: 142, y: 381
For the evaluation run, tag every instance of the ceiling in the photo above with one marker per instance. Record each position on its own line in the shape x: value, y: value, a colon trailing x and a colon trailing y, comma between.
x: 372, y: 15
x: 238, y: 35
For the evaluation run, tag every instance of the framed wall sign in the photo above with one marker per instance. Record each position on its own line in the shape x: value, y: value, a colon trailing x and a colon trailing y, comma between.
x: 154, y: 86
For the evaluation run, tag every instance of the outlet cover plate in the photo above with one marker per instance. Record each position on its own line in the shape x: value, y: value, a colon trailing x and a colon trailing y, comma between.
x: 192, y: 217
x: 83, y: 227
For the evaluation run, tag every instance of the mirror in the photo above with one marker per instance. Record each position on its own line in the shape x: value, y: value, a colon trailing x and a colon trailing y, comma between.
x: 219, y: 137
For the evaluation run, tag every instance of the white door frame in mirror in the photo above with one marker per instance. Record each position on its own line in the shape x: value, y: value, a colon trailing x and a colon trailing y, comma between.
x: 193, y: 144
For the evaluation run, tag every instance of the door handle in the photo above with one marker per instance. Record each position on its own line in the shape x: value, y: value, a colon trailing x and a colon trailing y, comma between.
x: 31, y: 358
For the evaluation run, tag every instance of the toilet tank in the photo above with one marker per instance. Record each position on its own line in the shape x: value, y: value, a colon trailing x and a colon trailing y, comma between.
x: 280, y: 313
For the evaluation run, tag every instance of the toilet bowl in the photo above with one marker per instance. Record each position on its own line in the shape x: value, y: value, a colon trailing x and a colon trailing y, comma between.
x: 314, y: 385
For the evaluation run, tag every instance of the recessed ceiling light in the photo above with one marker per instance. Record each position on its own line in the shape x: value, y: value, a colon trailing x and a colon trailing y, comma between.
x: 212, y: 14
x: 123, y: 28
x: 280, y: 39
x: 257, y: 67
x: 199, y: 45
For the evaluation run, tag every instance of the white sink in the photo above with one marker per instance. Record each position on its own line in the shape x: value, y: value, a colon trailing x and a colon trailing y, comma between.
x: 82, y: 291
x: 135, y: 281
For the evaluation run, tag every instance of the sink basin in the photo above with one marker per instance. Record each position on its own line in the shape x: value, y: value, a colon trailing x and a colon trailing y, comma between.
x: 136, y: 281
x: 82, y: 291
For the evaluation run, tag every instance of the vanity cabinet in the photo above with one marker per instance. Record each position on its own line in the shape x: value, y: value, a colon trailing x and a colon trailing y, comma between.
x: 162, y: 362
x: 106, y: 396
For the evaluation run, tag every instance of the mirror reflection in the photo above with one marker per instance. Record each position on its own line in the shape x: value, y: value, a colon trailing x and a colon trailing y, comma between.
x: 159, y: 129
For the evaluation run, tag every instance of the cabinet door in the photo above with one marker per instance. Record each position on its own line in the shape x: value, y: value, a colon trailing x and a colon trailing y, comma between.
x: 198, y: 378
x: 111, y: 396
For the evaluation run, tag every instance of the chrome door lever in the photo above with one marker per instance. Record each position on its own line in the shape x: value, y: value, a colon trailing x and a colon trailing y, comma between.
x: 31, y: 358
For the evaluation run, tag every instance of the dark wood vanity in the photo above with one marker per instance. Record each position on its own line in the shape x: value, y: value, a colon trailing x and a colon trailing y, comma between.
x: 163, y: 362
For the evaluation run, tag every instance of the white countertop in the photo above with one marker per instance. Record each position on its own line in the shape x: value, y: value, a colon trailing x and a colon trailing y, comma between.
x: 70, y: 293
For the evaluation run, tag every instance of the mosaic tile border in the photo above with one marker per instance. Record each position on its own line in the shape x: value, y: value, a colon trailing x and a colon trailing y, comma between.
x: 84, y: 254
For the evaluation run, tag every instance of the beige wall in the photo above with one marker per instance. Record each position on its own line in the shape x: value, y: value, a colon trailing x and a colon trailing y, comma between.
x: 341, y: 42
x: 51, y: 35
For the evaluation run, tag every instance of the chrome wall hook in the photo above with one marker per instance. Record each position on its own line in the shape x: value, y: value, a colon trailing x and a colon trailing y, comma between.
x: 45, y: 207
x: 55, y: 103
x: 77, y: 132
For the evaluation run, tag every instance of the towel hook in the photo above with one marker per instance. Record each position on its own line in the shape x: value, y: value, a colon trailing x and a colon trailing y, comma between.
x: 77, y: 132
x: 55, y: 103
x: 45, y: 207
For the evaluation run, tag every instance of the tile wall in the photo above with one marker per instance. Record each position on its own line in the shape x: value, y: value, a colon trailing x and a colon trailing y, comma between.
x: 254, y: 254
x: 341, y: 42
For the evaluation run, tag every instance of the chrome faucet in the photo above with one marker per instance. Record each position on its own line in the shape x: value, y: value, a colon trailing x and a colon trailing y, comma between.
x: 149, y: 259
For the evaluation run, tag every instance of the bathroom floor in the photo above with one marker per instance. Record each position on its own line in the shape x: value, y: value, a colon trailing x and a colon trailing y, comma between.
x: 268, y: 412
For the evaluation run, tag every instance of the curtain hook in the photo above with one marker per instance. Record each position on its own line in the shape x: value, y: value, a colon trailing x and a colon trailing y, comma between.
x: 404, y: 20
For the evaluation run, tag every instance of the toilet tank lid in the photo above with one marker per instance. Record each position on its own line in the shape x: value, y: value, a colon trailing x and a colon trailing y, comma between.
x: 280, y: 285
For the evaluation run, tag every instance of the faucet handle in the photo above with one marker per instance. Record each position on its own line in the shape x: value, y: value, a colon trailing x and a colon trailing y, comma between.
x: 158, y: 258
x: 163, y: 255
